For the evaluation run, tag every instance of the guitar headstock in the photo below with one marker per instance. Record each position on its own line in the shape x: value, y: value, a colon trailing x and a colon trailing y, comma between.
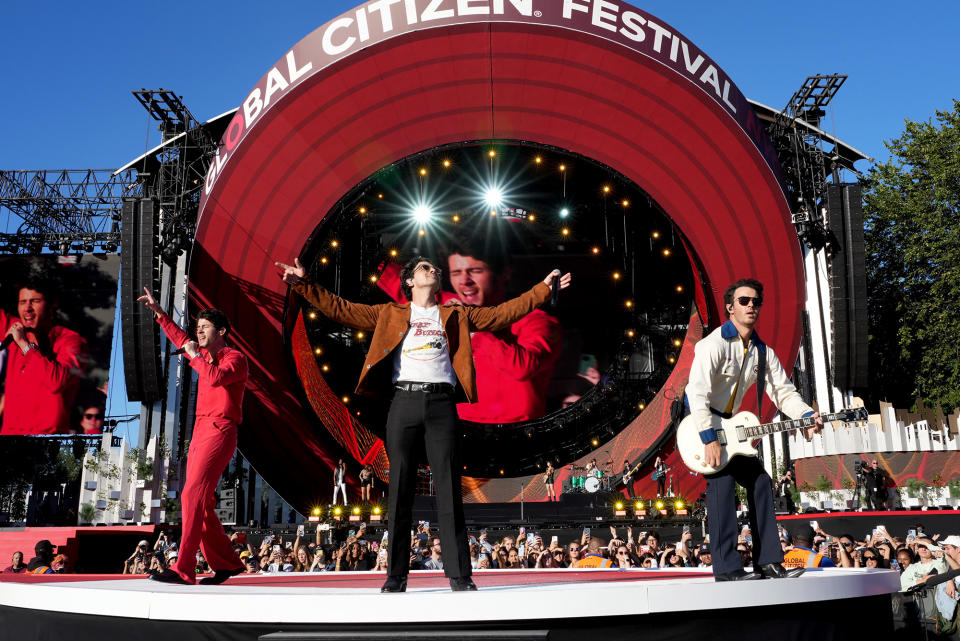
x: 853, y: 415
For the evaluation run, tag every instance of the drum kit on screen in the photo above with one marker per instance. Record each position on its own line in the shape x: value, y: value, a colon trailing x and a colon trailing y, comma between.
x: 593, y: 480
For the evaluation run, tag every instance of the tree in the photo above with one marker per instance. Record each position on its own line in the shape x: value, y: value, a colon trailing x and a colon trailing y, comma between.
x: 912, y: 234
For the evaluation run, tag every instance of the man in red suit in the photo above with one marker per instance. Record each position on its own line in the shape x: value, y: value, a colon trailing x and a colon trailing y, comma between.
x: 44, y: 364
x: 222, y: 374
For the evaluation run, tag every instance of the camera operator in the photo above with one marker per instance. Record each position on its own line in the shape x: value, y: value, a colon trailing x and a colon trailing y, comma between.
x: 784, y: 489
x: 872, y: 479
x: 139, y: 561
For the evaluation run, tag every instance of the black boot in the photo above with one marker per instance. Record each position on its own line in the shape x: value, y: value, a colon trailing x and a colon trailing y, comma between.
x: 462, y: 584
x: 738, y: 575
x: 777, y: 571
x: 395, y: 584
x: 219, y: 576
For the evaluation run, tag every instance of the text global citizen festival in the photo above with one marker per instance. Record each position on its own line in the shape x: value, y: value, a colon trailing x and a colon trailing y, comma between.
x: 380, y: 20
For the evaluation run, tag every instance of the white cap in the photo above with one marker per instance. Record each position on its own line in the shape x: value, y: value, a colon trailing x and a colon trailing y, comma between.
x: 953, y: 540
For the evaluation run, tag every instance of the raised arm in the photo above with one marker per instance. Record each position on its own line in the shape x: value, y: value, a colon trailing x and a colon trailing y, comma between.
x: 536, y: 345
x: 353, y: 315
x: 505, y: 314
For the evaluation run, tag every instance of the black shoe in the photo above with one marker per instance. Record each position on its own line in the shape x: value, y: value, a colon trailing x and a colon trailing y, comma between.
x: 219, y: 576
x: 738, y: 575
x: 169, y: 576
x: 462, y: 584
x: 395, y: 584
x: 777, y: 571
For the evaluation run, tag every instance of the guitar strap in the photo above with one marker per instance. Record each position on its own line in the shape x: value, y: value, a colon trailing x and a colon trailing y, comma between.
x: 761, y: 376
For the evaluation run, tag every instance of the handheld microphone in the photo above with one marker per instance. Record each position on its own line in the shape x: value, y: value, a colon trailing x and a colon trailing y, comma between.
x: 555, y: 290
x: 6, y: 341
x: 177, y: 352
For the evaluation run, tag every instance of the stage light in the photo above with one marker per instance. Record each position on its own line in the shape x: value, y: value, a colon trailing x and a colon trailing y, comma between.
x: 318, y: 351
x: 595, y: 250
x: 666, y: 252
x: 563, y: 167
x: 594, y: 442
x: 616, y: 275
x: 456, y: 218
x: 373, y: 278
x: 423, y: 171
x: 631, y: 333
x: 492, y: 153
x: 422, y: 214
x: 565, y: 231
x: 323, y: 260
x: 661, y: 505
x: 356, y: 510
x: 606, y: 189
x: 446, y: 163
x: 337, y: 511
x: 679, y: 505
x: 363, y: 210
x: 629, y: 304
x: 334, y: 243
x: 638, y: 505
x: 679, y: 288
x: 377, y: 510
x: 380, y: 196
x: 312, y: 315
x: 325, y: 368
x: 393, y: 253
x: 493, y: 197
x: 538, y: 160
x: 672, y: 360
x: 531, y: 218
x: 564, y: 212
x: 619, y: 505
x: 625, y: 203
x: 501, y: 472
x: 677, y: 342
x: 655, y: 234
x: 345, y: 399
x: 316, y: 511
x: 422, y: 232
x: 641, y: 406
x: 360, y: 335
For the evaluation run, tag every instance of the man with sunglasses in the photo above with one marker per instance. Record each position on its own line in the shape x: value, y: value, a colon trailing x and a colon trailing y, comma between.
x: 421, y: 353
x: 725, y: 366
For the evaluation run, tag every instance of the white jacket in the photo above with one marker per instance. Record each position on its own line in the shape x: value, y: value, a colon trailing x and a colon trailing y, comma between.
x: 717, y: 363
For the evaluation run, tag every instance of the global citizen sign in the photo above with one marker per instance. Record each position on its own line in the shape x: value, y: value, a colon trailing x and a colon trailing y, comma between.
x: 380, y: 20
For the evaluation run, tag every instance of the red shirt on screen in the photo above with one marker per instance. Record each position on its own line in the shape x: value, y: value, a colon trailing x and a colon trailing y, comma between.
x: 41, y: 386
x: 220, y: 382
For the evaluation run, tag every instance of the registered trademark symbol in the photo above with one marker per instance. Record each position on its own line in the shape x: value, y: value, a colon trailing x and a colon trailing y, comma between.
x: 538, y: 14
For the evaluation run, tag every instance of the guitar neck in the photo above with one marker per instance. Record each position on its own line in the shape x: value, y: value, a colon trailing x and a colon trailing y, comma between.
x: 772, y: 428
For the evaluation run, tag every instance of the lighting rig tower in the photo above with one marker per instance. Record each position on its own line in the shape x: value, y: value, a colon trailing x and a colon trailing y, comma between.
x: 828, y: 217
x: 63, y: 210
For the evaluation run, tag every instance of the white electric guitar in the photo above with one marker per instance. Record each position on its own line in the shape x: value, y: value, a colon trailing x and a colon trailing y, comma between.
x: 737, y: 434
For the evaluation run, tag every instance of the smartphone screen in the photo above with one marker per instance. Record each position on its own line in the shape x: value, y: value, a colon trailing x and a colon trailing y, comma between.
x: 300, y: 530
x: 586, y: 532
x: 679, y: 546
x: 814, y: 525
x: 912, y: 533
x: 686, y: 529
x: 554, y: 539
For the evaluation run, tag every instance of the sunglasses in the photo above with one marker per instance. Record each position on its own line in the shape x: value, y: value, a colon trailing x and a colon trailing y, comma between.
x: 746, y: 300
x: 621, y: 554
x: 869, y: 558
x: 92, y: 416
x: 428, y: 268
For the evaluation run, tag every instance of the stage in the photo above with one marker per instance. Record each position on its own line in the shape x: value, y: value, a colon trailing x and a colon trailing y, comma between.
x: 510, y: 604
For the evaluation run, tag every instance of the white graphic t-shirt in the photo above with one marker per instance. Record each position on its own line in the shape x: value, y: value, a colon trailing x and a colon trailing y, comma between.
x: 423, y: 356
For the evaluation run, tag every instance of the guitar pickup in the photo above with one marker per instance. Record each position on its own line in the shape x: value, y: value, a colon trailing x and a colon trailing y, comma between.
x: 721, y: 437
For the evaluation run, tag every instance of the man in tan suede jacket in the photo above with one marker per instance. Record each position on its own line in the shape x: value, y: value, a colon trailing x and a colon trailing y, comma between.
x: 420, y: 353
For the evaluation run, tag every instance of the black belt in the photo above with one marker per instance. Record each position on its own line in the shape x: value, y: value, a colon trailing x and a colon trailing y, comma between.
x: 429, y: 388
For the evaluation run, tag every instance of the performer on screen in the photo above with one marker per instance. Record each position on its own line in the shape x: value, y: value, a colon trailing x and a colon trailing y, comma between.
x: 222, y: 374
x: 514, y: 365
x: 725, y: 365
x: 421, y: 353
x: 44, y: 364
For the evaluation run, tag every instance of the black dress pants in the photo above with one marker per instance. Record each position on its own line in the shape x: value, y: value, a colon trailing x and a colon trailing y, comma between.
x: 417, y: 419
x: 722, y: 515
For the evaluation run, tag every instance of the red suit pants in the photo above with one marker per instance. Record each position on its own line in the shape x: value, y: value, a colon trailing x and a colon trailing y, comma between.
x: 211, y: 448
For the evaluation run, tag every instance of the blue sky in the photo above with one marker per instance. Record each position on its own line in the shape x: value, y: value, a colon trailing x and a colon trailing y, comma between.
x: 70, y: 67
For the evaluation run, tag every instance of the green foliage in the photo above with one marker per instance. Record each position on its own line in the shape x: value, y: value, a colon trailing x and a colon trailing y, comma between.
x: 824, y: 484
x: 915, y: 488
x: 87, y: 512
x: 912, y: 234
x: 953, y: 486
